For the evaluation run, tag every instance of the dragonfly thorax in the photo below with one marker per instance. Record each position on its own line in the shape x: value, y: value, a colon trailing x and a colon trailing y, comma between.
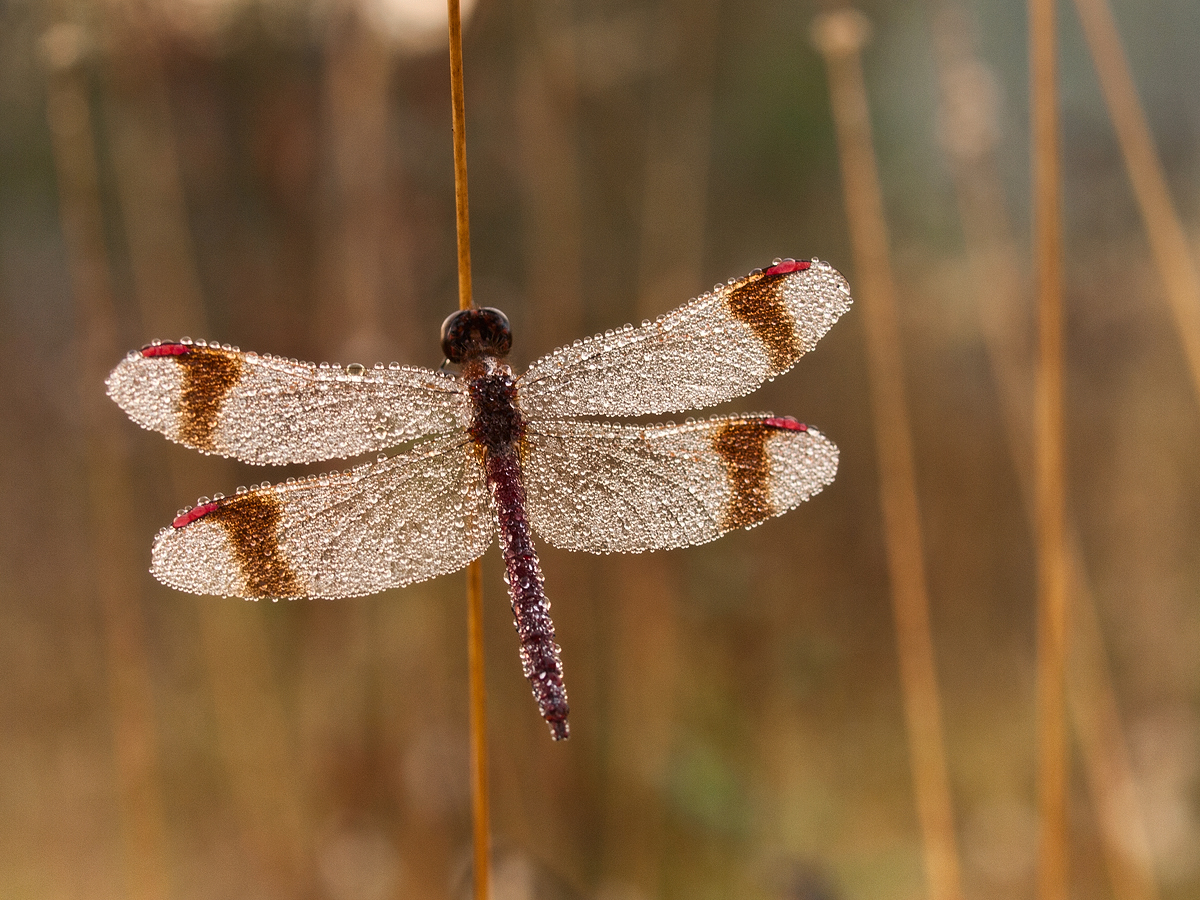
x: 497, y: 423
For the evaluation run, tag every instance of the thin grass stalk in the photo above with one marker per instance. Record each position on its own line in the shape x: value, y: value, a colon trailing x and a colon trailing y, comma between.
x: 1168, y: 240
x: 250, y: 722
x: 459, y: 113
x: 480, y: 811
x: 481, y: 829
x: 130, y: 696
x: 648, y: 654
x: 356, y: 104
x: 547, y: 114
x: 840, y: 36
x: 1049, y: 480
x: 678, y: 161
x: 991, y: 248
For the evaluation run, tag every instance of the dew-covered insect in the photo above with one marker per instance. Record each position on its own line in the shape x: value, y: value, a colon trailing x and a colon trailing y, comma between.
x: 485, y: 452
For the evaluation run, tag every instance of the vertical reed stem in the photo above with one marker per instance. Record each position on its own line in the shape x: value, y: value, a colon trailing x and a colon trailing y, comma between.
x: 1168, y: 240
x: 459, y: 106
x: 273, y: 821
x: 840, y: 37
x: 138, y: 777
x: 479, y: 773
x: 1091, y: 696
x: 479, y: 770
x: 1051, y: 570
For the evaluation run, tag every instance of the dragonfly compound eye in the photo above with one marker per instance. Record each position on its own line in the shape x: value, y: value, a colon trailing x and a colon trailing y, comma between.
x: 469, y: 333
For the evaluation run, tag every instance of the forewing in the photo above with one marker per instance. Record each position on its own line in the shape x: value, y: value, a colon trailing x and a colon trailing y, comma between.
x: 269, y: 410
x: 609, y: 488
x: 721, y: 345
x: 381, y: 525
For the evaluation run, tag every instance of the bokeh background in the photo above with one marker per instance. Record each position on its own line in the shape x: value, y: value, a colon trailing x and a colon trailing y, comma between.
x: 277, y: 174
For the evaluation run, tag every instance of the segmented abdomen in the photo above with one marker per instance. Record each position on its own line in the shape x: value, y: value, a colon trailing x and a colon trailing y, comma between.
x: 539, y: 653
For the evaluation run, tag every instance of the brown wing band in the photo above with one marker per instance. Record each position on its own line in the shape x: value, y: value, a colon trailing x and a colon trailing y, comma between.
x: 208, y: 377
x: 742, y: 447
x: 251, y: 522
x: 759, y: 303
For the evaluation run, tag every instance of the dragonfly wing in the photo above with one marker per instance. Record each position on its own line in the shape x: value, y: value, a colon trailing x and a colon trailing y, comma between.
x: 721, y: 345
x: 269, y: 410
x: 381, y: 525
x: 610, y: 488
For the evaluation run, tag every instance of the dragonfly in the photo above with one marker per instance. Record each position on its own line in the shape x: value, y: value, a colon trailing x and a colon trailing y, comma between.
x: 462, y: 457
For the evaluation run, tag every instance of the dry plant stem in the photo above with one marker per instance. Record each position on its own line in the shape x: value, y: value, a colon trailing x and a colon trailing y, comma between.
x: 131, y: 703
x: 480, y: 830
x: 458, y: 105
x: 678, y: 161
x: 1168, y: 240
x: 1051, y: 567
x: 251, y: 725
x: 644, y: 685
x: 1091, y: 696
x: 356, y: 236
x: 479, y: 770
x: 840, y: 37
x: 546, y: 110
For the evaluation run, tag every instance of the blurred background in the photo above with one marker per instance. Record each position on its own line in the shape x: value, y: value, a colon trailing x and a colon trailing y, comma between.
x: 278, y: 174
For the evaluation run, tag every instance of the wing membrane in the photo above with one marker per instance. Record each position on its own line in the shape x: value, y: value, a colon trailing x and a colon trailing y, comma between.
x: 721, y: 345
x: 381, y: 525
x: 620, y: 488
x: 268, y: 410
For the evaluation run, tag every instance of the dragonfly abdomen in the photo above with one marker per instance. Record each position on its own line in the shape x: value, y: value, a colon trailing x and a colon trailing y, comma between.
x: 497, y: 428
x: 540, y: 655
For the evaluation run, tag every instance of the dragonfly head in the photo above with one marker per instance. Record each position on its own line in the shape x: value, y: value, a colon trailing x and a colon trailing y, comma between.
x: 471, y: 333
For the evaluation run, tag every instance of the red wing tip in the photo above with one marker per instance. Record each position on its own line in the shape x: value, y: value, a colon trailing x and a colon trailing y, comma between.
x: 196, y: 512
x: 786, y: 266
x: 151, y: 350
x: 785, y: 423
